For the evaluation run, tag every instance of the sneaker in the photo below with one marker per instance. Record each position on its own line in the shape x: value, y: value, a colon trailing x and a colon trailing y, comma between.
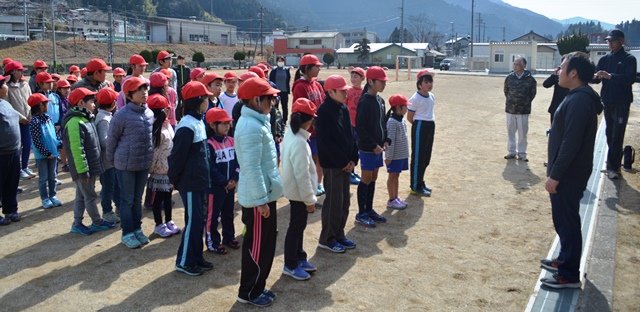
x: 47, y: 204
x: 58, y: 182
x: 143, y: 239
x: 19, y: 190
x: 347, y: 243
x: 404, y: 203
x: 4, y: 221
x: 421, y: 192
x: 171, y: 226
x: 205, y: 265
x: 269, y: 294
x: 559, y: 281
x: 510, y: 156
x: 395, y: 204
x: 14, y: 217
x: 102, y: 225
x: 333, y: 247
x: 307, y: 266
x: 261, y: 301
x: 427, y: 188
x: 376, y: 217
x: 364, y: 219
x: 131, y: 241
x: 24, y: 175
x: 550, y: 265
x: 522, y: 158
x: 55, y: 201
x: 354, y: 179
x: 111, y: 217
x: 297, y: 273
x: 189, y: 270
x: 612, y: 174
x: 162, y: 231
x: 81, y: 229
x: 29, y: 172
x: 320, y: 190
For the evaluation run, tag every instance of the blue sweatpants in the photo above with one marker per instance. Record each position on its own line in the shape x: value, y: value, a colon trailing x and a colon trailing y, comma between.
x: 190, y: 250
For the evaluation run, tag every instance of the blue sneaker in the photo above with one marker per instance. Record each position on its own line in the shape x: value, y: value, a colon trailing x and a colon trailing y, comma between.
x: 102, y: 225
x: 143, y: 239
x: 376, y: 217
x: 131, y: 241
x: 320, y: 190
x: 297, y: 273
x: 333, y: 247
x: 81, y: 229
x: 261, y: 301
x: 269, y: 294
x: 55, y: 201
x: 307, y: 266
x: 364, y: 219
x: 47, y: 204
x: 347, y: 243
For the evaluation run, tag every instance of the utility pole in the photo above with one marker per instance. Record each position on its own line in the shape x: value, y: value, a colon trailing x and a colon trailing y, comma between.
x: 110, y: 44
x: 401, y: 24
x: 26, y: 20
x: 261, y: 38
x: 484, y: 31
x: 479, y: 25
x: 471, y: 39
x: 53, y: 37
x: 125, y: 24
x: 503, y: 33
x: 75, y: 45
x: 42, y: 20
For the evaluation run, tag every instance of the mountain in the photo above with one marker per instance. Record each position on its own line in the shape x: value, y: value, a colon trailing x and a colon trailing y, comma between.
x: 577, y: 19
x: 383, y: 16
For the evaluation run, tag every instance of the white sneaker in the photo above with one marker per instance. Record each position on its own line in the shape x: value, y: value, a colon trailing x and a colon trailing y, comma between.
x: 24, y: 175
x: 162, y: 231
x: 29, y: 172
x: 171, y: 226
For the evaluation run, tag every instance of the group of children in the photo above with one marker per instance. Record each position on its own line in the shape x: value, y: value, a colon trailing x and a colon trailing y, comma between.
x: 227, y: 142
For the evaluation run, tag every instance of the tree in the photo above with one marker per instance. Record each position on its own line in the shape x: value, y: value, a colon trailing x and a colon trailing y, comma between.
x: 631, y: 31
x: 146, y: 54
x: 573, y: 43
x: 363, y: 49
x: 395, y: 36
x: 154, y: 56
x: 198, y: 57
x: 239, y: 56
x: 328, y: 58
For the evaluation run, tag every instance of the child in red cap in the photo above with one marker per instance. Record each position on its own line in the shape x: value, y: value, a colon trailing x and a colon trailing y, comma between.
x: 223, y: 173
x: 165, y: 60
x: 39, y: 66
x: 356, y: 75
x: 229, y: 97
x: 159, y: 84
x: 213, y: 82
x: 396, y: 157
x: 62, y: 91
x: 110, y: 193
x: 118, y: 75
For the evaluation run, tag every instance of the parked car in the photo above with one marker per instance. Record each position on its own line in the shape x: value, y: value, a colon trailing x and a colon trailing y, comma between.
x: 446, y: 64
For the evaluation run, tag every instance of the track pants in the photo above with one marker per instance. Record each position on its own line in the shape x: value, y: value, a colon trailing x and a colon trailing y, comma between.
x: 422, y: 134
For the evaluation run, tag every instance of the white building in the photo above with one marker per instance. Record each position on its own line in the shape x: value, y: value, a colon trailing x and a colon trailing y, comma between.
x: 174, y: 30
x: 276, y: 34
x: 356, y: 35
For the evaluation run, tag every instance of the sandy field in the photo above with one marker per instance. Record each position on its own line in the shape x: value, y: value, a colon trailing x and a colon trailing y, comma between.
x: 473, y: 246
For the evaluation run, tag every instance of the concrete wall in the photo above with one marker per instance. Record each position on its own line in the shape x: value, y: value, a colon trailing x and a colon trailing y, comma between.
x: 509, y: 52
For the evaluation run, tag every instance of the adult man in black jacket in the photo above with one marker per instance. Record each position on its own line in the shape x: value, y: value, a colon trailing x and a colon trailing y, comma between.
x: 617, y: 71
x: 182, y: 75
x: 571, y: 144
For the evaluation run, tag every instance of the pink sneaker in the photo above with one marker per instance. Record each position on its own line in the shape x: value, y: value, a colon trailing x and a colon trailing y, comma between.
x: 171, y: 226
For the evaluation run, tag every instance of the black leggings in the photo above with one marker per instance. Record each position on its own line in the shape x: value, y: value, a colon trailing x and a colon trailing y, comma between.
x: 161, y: 200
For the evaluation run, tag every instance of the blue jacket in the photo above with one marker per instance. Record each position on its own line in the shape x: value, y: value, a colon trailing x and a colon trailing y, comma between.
x: 129, y: 144
x: 188, y: 161
x: 44, y: 140
x: 223, y: 165
x: 256, y: 151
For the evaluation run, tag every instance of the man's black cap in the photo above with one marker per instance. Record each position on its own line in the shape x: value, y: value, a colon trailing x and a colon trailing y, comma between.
x: 615, y: 34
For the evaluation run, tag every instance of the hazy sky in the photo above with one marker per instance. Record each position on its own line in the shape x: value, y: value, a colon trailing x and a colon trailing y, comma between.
x: 610, y: 11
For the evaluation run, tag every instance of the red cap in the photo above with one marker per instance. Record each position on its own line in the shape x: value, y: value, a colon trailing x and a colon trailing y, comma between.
x: 247, y: 76
x: 78, y: 94
x: 63, y: 84
x: 137, y: 59
x: 424, y: 72
x: 230, y: 75
x: 265, y: 67
x: 106, y: 96
x: 376, y: 73
x: 398, y: 100
x: 257, y: 70
x: 359, y: 71
x: 133, y: 84
x: 253, y: 87
x: 83, y: 72
x: 196, y: 72
x: 217, y: 114
x: 72, y: 78
x: 97, y: 64
x: 119, y: 72
x: 305, y: 106
x: 6, y: 61
x: 55, y: 77
x: 335, y: 82
x: 15, y: 65
x: 167, y: 72
x: 74, y: 68
x: 39, y: 64
x: 210, y: 77
x: 157, y: 101
x: 194, y: 89
x: 158, y: 80
x: 44, y: 77
x: 310, y: 59
x: 163, y: 55
x: 36, y: 99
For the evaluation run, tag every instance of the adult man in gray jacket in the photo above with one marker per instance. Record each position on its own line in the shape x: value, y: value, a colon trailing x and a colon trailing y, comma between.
x: 519, y: 90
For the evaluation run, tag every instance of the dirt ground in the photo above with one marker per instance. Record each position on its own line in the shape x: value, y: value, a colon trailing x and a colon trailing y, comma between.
x: 473, y: 246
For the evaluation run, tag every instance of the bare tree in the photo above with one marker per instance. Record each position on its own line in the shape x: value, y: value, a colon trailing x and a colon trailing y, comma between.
x: 424, y: 30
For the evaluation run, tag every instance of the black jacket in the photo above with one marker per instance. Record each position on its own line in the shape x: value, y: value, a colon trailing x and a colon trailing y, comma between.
x: 274, y: 72
x: 336, y: 146
x: 188, y: 161
x: 622, y: 67
x: 371, y: 122
x: 182, y: 72
x: 572, y: 137
x: 558, y: 92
